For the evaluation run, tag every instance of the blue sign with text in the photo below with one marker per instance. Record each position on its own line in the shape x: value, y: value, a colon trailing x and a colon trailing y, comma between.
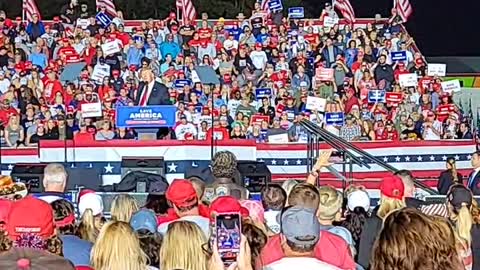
x: 398, y: 56
x: 179, y: 84
x: 275, y: 5
x: 145, y: 116
x: 376, y: 96
x: 263, y: 92
x: 296, y: 13
x: 334, y: 118
x: 103, y: 19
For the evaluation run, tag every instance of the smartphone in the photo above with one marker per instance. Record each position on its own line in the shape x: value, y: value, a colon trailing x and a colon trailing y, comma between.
x: 228, y: 233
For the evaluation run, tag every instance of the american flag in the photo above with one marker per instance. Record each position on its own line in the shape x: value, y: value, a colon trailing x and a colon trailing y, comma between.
x: 30, y: 8
x: 404, y: 9
x: 264, y: 6
x: 187, y: 9
x: 346, y: 9
x: 111, y: 9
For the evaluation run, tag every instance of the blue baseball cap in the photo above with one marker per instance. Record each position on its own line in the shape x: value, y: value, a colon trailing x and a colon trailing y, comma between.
x: 144, y: 219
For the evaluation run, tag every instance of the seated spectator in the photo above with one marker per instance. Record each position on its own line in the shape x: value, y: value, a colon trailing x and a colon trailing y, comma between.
x: 106, y: 133
x: 412, y: 234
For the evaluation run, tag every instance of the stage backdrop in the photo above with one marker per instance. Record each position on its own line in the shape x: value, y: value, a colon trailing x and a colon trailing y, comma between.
x: 285, y: 161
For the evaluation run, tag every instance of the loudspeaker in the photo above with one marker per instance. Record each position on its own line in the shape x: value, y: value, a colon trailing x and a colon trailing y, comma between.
x: 155, y: 165
x: 90, y: 178
x: 254, y: 175
x: 29, y: 174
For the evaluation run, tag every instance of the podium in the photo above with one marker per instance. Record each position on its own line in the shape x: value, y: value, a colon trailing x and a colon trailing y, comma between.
x: 146, y: 120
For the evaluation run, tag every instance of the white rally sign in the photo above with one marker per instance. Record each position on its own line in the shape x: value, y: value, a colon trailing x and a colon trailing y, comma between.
x: 408, y: 80
x: 439, y: 70
x: 451, y: 86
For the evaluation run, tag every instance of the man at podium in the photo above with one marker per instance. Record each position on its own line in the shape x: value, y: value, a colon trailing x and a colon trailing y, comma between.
x: 151, y: 92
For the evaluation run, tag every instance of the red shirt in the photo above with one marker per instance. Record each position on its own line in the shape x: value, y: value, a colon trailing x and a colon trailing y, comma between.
x: 330, y: 248
x: 397, y: 73
x: 350, y: 102
x: 88, y: 55
x: 83, y: 137
x: 390, y: 135
x: 205, y: 33
x: 220, y: 132
x: 194, y: 43
x: 312, y: 38
x: 51, y: 89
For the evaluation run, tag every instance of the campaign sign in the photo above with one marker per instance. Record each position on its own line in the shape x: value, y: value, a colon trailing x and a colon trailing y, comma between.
x: 398, y: 56
x: 451, y: 86
x: 258, y: 119
x: 439, y: 70
x: 408, y: 80
x: 263, y: 92
x: 330, y: 21
x: 393, y: 98
x: 376, y: 96
x: 103, y: 19
x: 100, y: 72
x: 324, y: 74
x: 316, y: 103
x: 179, y: 84
x: 334, y: 118
x: 275, y: 5
x: 111, y: 47
x: 145, y: 116
x: 296, y: 13
x: 83, y: 23
x: 138, y: 39
x: 91, y: 109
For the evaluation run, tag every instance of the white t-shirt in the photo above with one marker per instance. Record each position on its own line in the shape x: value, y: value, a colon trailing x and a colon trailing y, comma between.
x: 230, y: 44
x: 202, y: 222
x: 429, y: 135
x: 4, y: 84
x: 303, y: 263
x: 259, y: 59
x: 181, y: 130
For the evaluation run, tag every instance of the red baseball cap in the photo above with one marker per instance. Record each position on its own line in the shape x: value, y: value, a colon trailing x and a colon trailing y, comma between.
x: 401, y: 64
x: 258, y: 46
x: 227, y: 204
x: 392, y: 187
x: 132, y: 68
x: 20, y: 66
x: 30, y: 215
x: 115, y: 72
x: 174, y: 27
x: 181, y: 193
x: 430, y: 114
x: 419, y: 61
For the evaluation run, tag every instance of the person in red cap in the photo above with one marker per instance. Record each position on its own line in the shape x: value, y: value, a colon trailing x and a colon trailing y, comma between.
x: 52, y: 86
x: 392, y: 190
x: 31, y: 225
x: 419, y: 67
x: 182, y: 196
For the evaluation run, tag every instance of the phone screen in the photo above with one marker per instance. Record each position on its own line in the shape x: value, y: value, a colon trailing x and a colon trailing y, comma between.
x: 228, y: 233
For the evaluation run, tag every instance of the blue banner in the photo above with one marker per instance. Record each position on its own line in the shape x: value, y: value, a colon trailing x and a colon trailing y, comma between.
x: 398, y: 56
x: 275, y: 5
x: 138, y: 39
x: 376, y: 96
x: 103, y: 19
x: 263, y: 92
x: 334, y: 118
x: 145, y: 117
x: 179, y: 84
x: 296, y: 13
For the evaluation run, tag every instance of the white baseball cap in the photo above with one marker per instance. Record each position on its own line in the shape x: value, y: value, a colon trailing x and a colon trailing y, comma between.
x: 358, y: 198
x: 90, y: 201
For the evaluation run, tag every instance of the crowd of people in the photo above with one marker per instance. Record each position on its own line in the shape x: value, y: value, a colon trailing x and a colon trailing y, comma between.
x: 296, y: 225
x: 271, y: 73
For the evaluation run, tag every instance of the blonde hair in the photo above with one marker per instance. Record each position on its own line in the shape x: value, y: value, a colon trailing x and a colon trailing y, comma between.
x: 89, y: 226
x: 182, y: 247
x: 123, y: 207
x: 330, y: 202
x: 463, y: 223
x: 118, y: 248
x: 288, y: 186
x: 388, y: 205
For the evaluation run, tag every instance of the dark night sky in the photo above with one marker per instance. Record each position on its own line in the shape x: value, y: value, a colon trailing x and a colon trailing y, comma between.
x: 440, y: 27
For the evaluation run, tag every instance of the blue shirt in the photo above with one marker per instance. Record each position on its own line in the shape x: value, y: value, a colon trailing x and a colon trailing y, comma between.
x: 38, y: 59
x: 76, y: 250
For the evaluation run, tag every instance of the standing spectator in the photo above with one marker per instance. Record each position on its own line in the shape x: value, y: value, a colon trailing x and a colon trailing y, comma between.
x: 300, y: 231
x: 330, y: 207
x: 432, y: 128
x: 169, y: 47
x: 4, y: 82
x: 69, y: 12
x: 330, y: 52
x: 123, y: 207
x: 35, y: 28
x: 358, y: 208
x: 54, y: 183
x: 144, y: 223
x: 90, y: 209
x: 350, y: 131
x: 449, y: 177
x: 38, y: 58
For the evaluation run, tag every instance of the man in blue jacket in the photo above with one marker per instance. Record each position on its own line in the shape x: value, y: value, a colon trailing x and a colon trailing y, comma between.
x: 170, y: 47
x: 35, y: 28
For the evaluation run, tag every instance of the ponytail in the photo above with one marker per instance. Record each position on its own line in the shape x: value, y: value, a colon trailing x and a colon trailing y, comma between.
x: 464, y: 223
x: 86, y: 229
x: 454, y: 171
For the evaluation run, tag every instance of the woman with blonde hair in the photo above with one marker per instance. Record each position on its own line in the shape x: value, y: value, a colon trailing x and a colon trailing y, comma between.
x: 459, y: 207
x: 118, y: 248
x: 392, y: 198
x: 90, y: 207
x: 123, y: 207
x: 330, y: 206
x: 411, y: 240
x: 182, y: 247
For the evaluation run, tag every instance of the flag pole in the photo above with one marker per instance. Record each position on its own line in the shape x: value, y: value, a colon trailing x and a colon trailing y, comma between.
x: 23, y: 11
